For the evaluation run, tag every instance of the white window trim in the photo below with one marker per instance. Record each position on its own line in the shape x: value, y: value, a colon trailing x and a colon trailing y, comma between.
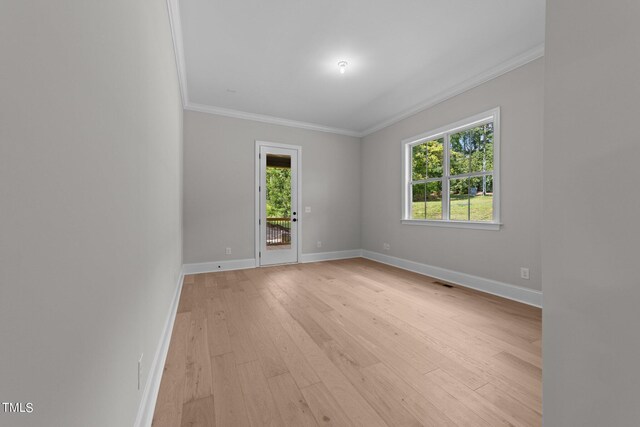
x: 445, y: 131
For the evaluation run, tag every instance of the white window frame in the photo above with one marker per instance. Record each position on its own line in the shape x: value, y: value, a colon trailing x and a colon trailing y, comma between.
x: 444, y: 132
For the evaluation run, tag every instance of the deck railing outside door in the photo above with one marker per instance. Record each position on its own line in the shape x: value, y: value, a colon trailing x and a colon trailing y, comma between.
x: 278, y: 231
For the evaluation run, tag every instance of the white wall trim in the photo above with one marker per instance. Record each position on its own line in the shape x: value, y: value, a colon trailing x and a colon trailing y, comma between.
x: 454, y: 224
x: 505, y: 290
x: 191, y: 106
x: 501, y: 289
x: 152, y: 385
x: 492, y: 73
x: 210, y: 267
x: 178, y: 45
x: 328, y: 256
x: 175, y: 21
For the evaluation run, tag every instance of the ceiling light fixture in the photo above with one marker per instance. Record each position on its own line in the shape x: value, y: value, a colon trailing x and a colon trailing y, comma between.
x: 343, y: 66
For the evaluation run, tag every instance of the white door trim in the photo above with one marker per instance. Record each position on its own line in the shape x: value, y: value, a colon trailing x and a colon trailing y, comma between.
x: 256, y: 217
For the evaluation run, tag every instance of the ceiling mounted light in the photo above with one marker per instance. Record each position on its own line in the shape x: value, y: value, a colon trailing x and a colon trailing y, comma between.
x: 343, y: 66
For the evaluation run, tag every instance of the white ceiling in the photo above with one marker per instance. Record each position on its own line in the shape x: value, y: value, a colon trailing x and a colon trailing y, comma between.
x: 276, y: 60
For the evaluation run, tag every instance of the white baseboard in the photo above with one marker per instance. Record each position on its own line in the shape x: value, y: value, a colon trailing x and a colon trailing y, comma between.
x: 505, y: 290
x: 152, y: 386
x: 328, y: 256
x: 239, y: 264
x: 210, y: 267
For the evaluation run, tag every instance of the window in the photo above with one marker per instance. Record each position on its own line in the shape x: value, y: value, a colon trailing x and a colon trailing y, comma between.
x: 451, y: 174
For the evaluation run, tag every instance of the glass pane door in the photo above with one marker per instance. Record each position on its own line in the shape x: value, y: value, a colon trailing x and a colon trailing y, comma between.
x: 278, y: 214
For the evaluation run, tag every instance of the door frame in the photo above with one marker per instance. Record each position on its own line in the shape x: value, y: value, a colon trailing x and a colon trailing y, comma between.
x: 256, y: 192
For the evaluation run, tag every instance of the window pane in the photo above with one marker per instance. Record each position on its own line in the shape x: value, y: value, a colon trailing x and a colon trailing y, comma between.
x: 278, y: 202
x: 426, y: 201
x: 419, y: 201
x: 419, y: 162
x: 435, y: 153
x: 481, y: 198
x: 459, y: 199
x: 434, y: 200
x: 472, y: 150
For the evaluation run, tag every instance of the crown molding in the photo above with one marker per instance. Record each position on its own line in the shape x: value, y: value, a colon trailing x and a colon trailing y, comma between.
x: 492, y: 73
x: 191, y: 106
x: 175, y: 21
x: 173, y: 7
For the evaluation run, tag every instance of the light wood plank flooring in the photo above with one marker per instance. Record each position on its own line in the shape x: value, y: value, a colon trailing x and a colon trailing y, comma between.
x: 350, y: 342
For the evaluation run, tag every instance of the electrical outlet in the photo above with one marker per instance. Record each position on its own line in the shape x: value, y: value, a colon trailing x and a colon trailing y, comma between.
x: 227, y: 251
x: 524, y: 273
x: 140, y: 371
x: 307, y: 209
x: 386, y: 247
x: 318, y: 244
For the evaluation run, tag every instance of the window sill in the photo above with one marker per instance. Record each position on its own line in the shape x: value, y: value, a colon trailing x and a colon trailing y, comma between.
x: 454, y: 224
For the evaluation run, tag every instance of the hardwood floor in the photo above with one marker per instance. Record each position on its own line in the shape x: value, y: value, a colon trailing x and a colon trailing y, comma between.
x: 350, y: 342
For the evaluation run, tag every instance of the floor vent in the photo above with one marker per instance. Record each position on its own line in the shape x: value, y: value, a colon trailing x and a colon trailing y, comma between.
x: 446, y: 285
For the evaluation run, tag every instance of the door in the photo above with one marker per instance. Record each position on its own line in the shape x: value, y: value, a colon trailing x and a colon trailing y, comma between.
x: 278, y: 213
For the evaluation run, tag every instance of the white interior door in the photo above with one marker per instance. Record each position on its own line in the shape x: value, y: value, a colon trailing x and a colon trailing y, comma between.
x: 278, y: 213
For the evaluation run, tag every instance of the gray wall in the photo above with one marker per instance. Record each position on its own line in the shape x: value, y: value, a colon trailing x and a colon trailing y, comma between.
x: 219, y: 187
x: 496, y: 255
x: 90, y: 194
x: 591, y: 235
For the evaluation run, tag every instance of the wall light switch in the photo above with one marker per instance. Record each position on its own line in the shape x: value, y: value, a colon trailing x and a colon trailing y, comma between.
x: 307, y: 209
